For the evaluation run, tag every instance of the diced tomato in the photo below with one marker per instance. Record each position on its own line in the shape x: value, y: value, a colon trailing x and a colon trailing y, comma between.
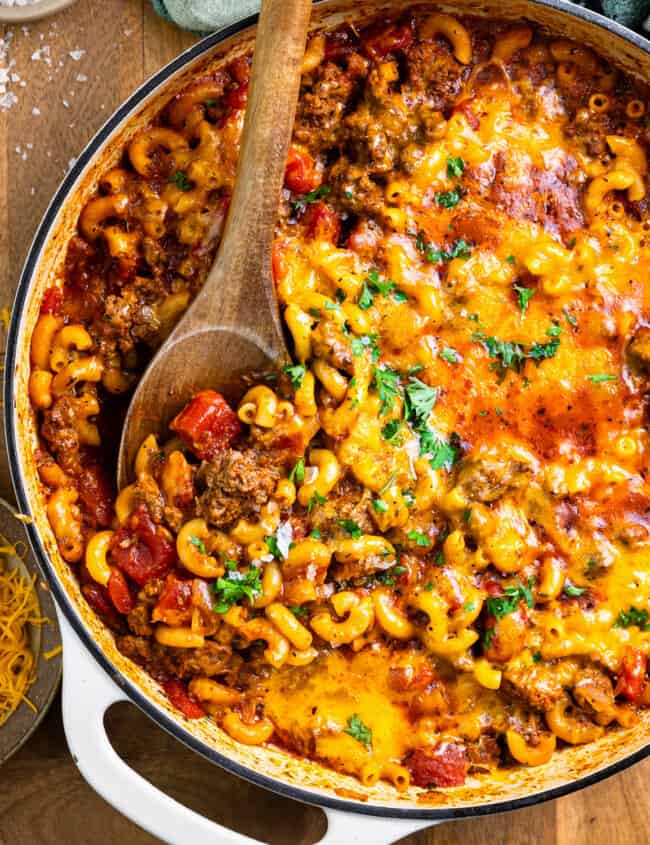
x: 99, y: 599
x: 175, y: 603
x: 52, y: 301
x: 364, y: 238
x: 382, y: 39
x: 96, y: 494
x: 323, y: 223
x: 141, y: 549
x: 444, y: 765
x: 182, y: 699
x: 236, y: 98
x: 632, y: 676
x: 120, y: 592
x: 240, y: 69
x: 279, y: 262
x: 301, y: 175
x: 207, y: 424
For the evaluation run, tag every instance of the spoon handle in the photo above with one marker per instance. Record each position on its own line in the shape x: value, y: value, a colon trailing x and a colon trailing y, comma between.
x: 244, y: 258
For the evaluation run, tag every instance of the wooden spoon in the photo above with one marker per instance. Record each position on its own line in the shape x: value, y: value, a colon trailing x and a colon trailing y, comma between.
x: 233, y: 326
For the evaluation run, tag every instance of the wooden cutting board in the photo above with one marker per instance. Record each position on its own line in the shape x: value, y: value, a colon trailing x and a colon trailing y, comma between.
x: 77, y: 68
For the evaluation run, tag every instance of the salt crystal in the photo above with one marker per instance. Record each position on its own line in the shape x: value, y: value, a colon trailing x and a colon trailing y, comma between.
x: 66, y: 103
x: 36, y: 111
x: 81, y: 77
x: 76, y: 55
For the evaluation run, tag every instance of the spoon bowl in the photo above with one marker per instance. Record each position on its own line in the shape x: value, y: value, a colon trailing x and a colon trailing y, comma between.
x: 233, y: 327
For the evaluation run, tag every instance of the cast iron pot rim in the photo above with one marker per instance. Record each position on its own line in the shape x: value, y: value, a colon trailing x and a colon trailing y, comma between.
x: 66, y: 604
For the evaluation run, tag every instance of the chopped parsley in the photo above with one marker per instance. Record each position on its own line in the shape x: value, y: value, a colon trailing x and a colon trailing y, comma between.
x: 419, y: 399
x: 573, y: 591
x: 524, y: 295
x: 210, y: 102
x: 511, y: 260
x: 234, y: 586
x: 633, y: 617
x: 448, y: 199
x: 571, y: 243
x: 459, y: 249
x: 388, y: 577
x: 442, y: 455
x: 386, y: 382
x: 455, y: 166
x: 391, y: 432
x: 597, y: 378
x: 200, y: 545
x: 315, y: 533
x: 315, y: 499
x: 488, y: 636
x: 298, y: 471
x: 272, y: 546
x: 537, y: 657
x: 379, y: 506
x: 418, y: 538
x: 499, y: 606
x: 351, y: 527
x: 296, y: 373
x: 513, y: 354
x: 180, y: 180
x: 367, y: 341
x: 409, y: 498
x: 366, y: 298
x: 449, y: 355
x: 298, y: 611
x: 313, y: 196
x: 388, y: 484
x: 467, y: 514
x: 359, y: 731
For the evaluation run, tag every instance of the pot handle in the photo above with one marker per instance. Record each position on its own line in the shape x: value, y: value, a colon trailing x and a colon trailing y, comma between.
x: 88, y: 692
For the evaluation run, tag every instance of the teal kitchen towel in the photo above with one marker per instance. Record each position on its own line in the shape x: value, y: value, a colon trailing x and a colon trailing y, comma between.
x: 208, y: 15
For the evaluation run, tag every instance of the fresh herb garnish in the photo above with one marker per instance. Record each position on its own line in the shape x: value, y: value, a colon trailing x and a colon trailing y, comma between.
x: 296, y: 373
x: 488, y: 636
x: 572, y: 591
x: 418, y: 538
x: 387, y: 578
x: 571, y: 320
x: 359, y: 731
x: 298, y: 611
x: 441, y: 454
x: 597, y: 378
x: 449, y: 355
x: 386, y: 381
x: 315, y: 533
x: 455, y: 166
x: 512, y: 354
x: 313, y: 196
x: 419, y: 399
x: 351, y: 527
x: 633, y: 617
x: 180, y: 180
x: 234, y: 586
x: 537, y: 657
x: 272, y: 546
x: 511, y: 259
x: 379, y: 506
x: 298, y: 471
x: 315, y: 499
x: 499, y: 606
x: 524, y: 295
x: 200, y: 545
x: 448, y: 199
x: 391, y: 432
x: 459, y: 249
x: 365, y: 298
x: 369, y: 342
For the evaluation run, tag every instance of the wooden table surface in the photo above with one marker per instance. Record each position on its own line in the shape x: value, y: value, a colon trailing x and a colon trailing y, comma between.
x: 63, y: 96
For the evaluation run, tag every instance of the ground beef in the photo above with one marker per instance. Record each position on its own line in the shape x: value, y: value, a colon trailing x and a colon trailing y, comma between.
x: 59, y: 431
x: 322, y: 105
x: 539, y: 686
x: 138, y: 621
x: 330, y: 345
x: 210, y: 660
x: 433, y: 73
x: 593, y: 691
x: 488, y: 479
x: 235, y: 485
x: 544, y: 196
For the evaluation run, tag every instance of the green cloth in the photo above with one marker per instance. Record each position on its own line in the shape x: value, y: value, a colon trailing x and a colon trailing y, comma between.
x: 208, y: 15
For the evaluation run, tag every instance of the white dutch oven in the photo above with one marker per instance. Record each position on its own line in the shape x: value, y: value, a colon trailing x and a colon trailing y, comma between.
x: 96, y: 675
